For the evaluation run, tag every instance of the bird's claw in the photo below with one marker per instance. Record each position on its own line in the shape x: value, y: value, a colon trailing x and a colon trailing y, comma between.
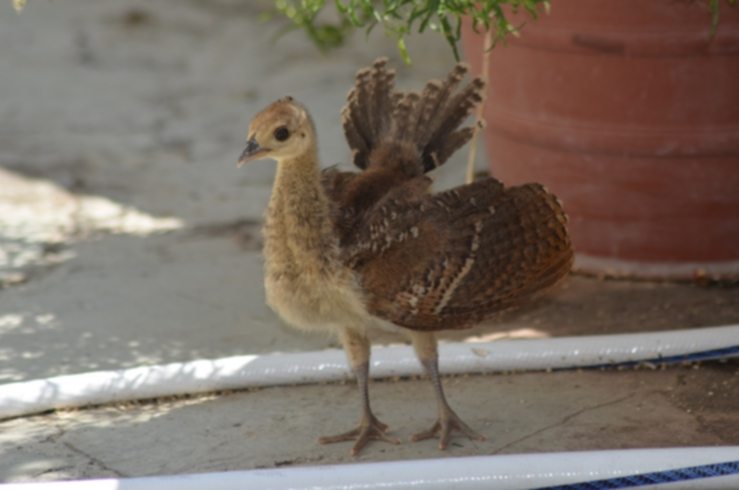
x: 369, y: 429
x: 447, y: 422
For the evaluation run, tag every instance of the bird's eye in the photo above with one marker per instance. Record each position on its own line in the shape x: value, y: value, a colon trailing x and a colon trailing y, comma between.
x: 281, y: 133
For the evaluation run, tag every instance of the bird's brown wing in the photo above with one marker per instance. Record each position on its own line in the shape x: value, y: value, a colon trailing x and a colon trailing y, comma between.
x: 432, y: 262
x: 335, y: 181
x: 355, y: 196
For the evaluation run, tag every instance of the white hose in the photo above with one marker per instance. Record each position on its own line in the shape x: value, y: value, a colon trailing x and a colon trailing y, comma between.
x: 663, y: 468
x: 201, y: 376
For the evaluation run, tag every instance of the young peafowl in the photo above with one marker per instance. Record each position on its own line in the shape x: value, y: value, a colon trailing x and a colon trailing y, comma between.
x: 351, y: 252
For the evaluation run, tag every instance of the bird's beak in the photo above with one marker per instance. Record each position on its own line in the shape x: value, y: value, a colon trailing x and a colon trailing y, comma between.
x: 251, y: 152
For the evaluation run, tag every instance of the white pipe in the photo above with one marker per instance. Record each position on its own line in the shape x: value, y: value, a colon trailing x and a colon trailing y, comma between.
x: 201, y: 376
x: 477, y: 472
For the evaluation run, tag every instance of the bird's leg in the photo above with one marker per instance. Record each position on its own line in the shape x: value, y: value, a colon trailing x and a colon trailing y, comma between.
x: 425, y: 346
x: 357, y: 347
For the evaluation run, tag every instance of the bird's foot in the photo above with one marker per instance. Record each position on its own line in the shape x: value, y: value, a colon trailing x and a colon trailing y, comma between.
x: 369, y: 428
x: 448, y: 421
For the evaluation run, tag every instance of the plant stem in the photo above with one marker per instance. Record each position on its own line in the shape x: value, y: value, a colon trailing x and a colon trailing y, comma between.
x: 486, y: 49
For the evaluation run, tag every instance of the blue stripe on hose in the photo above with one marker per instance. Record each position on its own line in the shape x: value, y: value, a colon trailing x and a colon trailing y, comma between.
x: 730, y: 351
x: 655, y: 478
x: 722, y: 353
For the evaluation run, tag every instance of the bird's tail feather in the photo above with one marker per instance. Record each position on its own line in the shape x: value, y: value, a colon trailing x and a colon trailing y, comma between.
x: 376, y: 115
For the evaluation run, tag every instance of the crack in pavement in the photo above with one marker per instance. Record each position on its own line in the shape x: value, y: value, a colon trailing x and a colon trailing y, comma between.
x: 92, y: 458
x: 55, y: 438
x: 54, y: 469
x: 563, y: 421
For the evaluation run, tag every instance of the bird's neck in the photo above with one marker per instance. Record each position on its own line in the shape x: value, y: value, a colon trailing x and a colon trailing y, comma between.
x: 296, y: 175
x: 298, y: 220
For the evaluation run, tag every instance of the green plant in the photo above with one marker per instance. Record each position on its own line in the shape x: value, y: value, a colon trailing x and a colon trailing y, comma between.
x: 402, y: 17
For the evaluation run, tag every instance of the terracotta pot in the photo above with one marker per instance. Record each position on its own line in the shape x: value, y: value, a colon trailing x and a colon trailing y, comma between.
x: 629, y: 112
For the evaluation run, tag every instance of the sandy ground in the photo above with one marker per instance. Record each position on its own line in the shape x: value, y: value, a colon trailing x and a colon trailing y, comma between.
x: 128, y: 237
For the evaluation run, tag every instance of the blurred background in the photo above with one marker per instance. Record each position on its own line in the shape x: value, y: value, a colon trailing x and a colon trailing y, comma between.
x: 128, y: 236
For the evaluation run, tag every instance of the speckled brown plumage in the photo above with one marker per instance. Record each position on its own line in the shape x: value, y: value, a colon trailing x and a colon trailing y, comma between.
x: 450, y: 260
x: 353, y: 252
x: 423, y: 127
x: 436, y: 261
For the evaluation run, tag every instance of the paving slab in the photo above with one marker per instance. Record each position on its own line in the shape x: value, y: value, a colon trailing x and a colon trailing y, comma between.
x: 278, y: 427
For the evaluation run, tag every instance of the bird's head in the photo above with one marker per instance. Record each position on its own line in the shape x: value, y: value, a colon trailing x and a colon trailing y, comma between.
x: 281, y: 131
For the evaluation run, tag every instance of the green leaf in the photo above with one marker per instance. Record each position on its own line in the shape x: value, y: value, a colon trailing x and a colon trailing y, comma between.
x: 404, y: 51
